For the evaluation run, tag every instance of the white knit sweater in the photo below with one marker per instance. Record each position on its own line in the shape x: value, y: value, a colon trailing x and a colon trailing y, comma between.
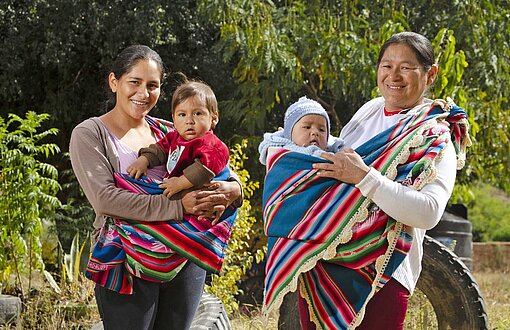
x: 421, y: 210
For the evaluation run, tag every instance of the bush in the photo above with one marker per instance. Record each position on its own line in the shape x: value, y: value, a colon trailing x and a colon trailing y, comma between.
x: 239, y: 258
x: 28, y: 187
x: 490, y: 214
x: 76, y: 215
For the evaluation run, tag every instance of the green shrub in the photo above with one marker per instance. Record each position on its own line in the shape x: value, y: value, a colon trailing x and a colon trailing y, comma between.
x: 239, y: 258
x: 490, y: 214
x: 27, y: 193
x: 76, y: 215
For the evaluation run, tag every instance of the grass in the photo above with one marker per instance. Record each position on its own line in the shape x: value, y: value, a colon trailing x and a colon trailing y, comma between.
x: 74, y: 308
x: 253, y: 321
x: 420, y: 313
x: 495, y: 288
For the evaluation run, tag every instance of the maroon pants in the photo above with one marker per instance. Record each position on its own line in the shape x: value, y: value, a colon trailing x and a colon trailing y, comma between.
x: 386, y: 310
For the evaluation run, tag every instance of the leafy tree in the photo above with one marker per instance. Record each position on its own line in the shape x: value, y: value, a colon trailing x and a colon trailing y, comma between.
x: 76, y: 216
x: 482, y: 32
x: 259, y: 56
x: 327, y: 50
x: 282, y: 51
x: 28, y: 187
x: 57, y: 53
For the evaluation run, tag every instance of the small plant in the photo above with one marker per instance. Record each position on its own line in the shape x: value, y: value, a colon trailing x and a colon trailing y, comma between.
x: 72, y: 308
x: 74, y: 261
x: 239, y: 258
x: 28, y: 187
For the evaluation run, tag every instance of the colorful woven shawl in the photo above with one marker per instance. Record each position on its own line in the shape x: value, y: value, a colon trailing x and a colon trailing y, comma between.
x: 156, y: 251
x: 340, y: 244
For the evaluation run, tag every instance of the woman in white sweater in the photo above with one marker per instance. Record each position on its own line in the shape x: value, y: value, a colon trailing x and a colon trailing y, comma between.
x: 405, y: 69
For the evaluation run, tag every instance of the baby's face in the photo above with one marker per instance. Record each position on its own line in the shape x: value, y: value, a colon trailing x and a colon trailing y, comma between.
x: 192, y: 119
x: 310, y: 130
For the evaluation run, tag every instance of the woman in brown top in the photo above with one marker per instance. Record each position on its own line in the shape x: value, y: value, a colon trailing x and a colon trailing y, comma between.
x: 103, y: 145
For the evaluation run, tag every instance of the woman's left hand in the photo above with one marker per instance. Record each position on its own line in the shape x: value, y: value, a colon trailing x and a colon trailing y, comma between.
x: 215, y: 197
x: 348, y: 166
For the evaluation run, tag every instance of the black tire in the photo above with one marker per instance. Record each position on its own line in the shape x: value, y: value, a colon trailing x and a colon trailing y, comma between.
x: 451, y: 289
x: 289, y: 312
x: 454, y: 232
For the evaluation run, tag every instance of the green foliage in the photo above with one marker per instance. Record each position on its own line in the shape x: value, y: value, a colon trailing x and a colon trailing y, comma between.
x: 490, y: 214
x: 284, y: 51
x: 28, y: 187
x: 239, y: 257
x: 76, y: 215
x: 482, y: 33
x: 57, y: 53
x: 75, y: 260
x: 328, y: 50
x: 452, y: 64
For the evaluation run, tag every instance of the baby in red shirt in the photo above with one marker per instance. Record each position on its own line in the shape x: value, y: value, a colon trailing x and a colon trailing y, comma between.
x: 192, y: 153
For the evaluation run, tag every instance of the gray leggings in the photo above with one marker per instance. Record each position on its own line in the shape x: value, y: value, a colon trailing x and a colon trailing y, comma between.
x: 170, y: 305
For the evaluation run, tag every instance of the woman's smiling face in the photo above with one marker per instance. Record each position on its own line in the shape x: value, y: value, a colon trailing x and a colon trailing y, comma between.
x: 402, y: 79
x: 137, y: 91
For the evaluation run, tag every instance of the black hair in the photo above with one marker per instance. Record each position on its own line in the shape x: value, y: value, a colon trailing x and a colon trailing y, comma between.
x: 418, y: 43
x: 125, y: 61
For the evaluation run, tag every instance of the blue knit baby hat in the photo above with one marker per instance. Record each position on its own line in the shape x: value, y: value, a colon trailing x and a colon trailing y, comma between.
x: 304, y: 106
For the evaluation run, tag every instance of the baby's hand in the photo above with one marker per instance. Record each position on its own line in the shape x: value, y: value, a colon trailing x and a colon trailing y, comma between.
x: 171, y: 186
x: 138, y: 167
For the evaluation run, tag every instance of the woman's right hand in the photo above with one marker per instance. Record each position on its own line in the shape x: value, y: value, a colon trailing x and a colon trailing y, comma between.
x: 346, y: 166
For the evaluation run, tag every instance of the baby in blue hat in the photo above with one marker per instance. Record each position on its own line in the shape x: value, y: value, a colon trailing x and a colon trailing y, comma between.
x: 306, y: 129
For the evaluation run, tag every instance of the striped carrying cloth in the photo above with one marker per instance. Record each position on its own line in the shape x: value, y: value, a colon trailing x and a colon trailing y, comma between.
x: 156, y: 251
x: 337, y: 242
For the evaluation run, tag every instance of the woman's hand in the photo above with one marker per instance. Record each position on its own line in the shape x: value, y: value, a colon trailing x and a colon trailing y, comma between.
x: 347, y: 166
x: 212, y: 200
